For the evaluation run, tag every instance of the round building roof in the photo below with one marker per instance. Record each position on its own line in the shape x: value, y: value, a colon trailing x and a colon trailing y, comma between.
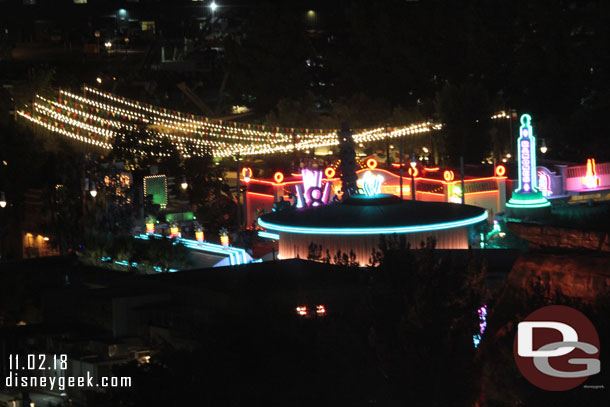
x: 381, y: 214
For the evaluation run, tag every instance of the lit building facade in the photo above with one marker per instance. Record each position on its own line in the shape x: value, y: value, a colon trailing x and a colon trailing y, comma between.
x: 431, y: 185
x: 355, y: 226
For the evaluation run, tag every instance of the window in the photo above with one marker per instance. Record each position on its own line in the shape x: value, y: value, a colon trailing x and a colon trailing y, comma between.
x: 148, y: 26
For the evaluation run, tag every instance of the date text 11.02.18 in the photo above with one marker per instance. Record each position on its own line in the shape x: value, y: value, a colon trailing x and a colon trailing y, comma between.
x: 37, y: 362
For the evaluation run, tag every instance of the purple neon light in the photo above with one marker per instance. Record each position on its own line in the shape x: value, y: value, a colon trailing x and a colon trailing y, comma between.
x: 526, y: 164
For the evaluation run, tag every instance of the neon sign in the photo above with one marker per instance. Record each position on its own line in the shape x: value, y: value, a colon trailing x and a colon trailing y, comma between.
x: 456, y: 194
x: 310, y: 192
x: 527, y: 156
x: 246, y: 173
x: 372, y: 183
x: 371, y: 163
x: 544, y: 183
x: 591, y: 180
x: 278, y: 177
x: 527, y: 195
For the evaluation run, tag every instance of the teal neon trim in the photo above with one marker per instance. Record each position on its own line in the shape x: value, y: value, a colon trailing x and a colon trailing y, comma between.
x: 268, y: 235
x: 236, y: 255
x: 528, y: 205
x: 373, y: 231
x: 528, y: 201
x: 134, y: 264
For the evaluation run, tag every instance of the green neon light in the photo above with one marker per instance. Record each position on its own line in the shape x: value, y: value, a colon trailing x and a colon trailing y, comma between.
x: 527, y: 204
x: 519, y: 201
x: 373, y: 231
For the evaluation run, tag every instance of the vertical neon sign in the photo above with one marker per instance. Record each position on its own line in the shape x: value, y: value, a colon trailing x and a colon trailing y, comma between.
x: 527, y: 195
x: 527, y: 156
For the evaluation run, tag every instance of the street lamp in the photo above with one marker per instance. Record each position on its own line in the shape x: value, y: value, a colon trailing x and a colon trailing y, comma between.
x: 213, y: 6
x: 2, y: 200
x: 93, y: 191
x: 543, y: 147
x: 413, y: 164
x: 184, y: 185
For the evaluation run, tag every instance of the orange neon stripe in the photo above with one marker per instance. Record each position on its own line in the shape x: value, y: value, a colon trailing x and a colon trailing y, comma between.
x: 261, y: 195
x: 482, y: 179
x: 482, y: 192
x: 427, y: 192
x: 261, y: 181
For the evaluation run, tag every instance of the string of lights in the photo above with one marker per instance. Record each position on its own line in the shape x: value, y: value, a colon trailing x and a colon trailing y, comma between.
x: 99, y: 122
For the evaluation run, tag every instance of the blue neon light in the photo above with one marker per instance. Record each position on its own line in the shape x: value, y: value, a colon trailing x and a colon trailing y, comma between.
x: 373, y: 231
x: 268, y: 235
x: 371, y: 184
x: 236, y: 255
x: 134, y: 264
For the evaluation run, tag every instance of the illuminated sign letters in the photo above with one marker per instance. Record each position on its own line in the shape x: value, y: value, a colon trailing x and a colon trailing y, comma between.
x: 527, y: 156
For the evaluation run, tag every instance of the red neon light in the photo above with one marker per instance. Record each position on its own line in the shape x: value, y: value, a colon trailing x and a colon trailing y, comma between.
x: 329, y: 172
x: 427, y: 192
x: 246, y: 172
x: 417, y: 177
x: 261, y: 195
x: 500, y: 170
x: 482, y: 179
x: 262, y: 181
x: 371, y: 163
x: 426, y: 169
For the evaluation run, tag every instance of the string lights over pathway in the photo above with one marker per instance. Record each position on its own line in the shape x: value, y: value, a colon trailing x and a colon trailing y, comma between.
x: 97, y: 118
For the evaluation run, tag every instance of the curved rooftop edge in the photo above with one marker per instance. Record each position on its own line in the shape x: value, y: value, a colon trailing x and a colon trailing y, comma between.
x: 341, y: 219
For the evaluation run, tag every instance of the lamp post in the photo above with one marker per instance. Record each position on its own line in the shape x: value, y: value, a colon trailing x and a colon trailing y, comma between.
x: 543, y: 147
x: 213, y: 7
x: 93, y: 190
x: 2, y: 200
x: 400, y: 167
x: 413, y: 164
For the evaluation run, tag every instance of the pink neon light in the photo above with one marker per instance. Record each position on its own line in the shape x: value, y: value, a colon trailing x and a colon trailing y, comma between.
x: 591, y: 180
